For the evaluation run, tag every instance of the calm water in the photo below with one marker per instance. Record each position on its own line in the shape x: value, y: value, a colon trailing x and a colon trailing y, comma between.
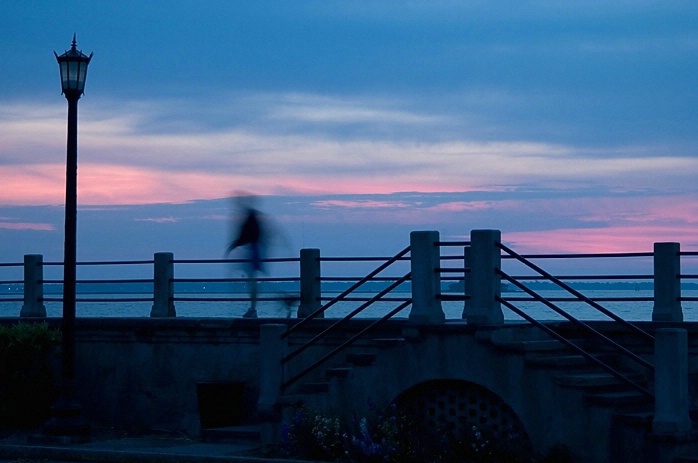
x: 633, y: 311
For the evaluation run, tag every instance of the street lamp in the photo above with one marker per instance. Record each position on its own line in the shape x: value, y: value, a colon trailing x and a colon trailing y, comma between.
x: 67, y: 421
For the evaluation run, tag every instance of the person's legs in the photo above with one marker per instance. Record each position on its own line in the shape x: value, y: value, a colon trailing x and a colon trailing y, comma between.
x: 252, y: 286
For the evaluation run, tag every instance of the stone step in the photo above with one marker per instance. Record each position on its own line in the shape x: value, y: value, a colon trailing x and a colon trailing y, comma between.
x: 361, y: 359
x: 231, y: 434
x: 387, y: 343
x: 622, y: 398
x: 563, y: 361
x: 686, y: 459
x: 314, y: 388
x: 529, y: 346
x: 592, y: 380
x: 337, y: 372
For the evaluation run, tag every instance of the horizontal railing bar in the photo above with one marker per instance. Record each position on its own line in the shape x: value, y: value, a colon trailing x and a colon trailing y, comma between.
x: 12, y: 282
x: 452, y: 243
x: 109, y: 262
x: 364, y: 299
x: 450, y: 270
x: 120, y: 299
x: 461, y: 257
x: 11, y: 299
x: 11, y: 264
x: 227, y: 299
x: 233, y: 261
x: 358, y: 278
x: 234, y: 280
x: 587, y: 277
x: 133, y: 280
x: 576, y: 299
x: 361, y: 259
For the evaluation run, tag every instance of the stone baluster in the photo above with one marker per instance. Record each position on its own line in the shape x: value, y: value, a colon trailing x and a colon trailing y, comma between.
x: 163, y: 286
x: 33, y: 286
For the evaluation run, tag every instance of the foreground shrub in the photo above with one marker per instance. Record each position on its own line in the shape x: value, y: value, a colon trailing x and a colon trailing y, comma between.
x: 393, y: 437
x: 27, y: 385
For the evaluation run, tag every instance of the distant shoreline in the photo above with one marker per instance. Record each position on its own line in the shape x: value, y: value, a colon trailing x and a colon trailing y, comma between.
x: 335, y: 286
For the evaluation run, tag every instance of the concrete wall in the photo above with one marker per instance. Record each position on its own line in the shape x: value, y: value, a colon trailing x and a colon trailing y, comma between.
x: 143, y: 373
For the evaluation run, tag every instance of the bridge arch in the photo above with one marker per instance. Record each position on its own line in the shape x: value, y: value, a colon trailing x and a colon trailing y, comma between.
x: 460, y: 408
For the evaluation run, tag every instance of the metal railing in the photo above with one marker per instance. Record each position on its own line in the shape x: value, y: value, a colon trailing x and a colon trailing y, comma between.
x: 380, y: 296
x: 451, y: 271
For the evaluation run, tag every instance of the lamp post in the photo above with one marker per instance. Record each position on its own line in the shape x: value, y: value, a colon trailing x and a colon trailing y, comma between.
x: 67, y: 421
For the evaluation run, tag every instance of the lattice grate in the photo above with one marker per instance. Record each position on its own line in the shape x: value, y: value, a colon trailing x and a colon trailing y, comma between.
x: 458, y: 406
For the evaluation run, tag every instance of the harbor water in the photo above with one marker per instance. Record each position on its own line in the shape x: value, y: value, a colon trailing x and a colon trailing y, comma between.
x: 129, y: 305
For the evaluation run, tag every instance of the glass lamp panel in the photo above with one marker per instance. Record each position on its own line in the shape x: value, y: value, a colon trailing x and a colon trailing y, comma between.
x: 73, y: 68
x: 64, y: 75
x: 82, y: 71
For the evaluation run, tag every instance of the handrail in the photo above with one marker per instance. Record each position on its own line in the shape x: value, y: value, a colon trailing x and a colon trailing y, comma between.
x: 578, y: 322
x: 348, y: 317
x: 368, y: 277
x: 574, y: 292
x: 344, y: 345
x: 576, y: 348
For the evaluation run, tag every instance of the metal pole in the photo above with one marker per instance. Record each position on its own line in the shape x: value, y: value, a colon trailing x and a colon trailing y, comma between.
x: 69, y: 259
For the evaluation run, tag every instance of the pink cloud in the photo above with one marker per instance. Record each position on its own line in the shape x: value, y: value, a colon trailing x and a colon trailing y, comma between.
x: 26, y: 226
x: 600, y: 240
x: 368, y: 204
x: 158, y: 220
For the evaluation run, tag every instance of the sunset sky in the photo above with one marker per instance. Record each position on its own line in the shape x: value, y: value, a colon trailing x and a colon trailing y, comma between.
x: 569, y: 126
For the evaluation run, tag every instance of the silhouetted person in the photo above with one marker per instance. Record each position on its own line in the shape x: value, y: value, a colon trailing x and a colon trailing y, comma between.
x: 251, y: 236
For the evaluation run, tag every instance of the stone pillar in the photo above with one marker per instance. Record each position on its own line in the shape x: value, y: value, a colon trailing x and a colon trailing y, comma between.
x: 271, y: 377
x: 485, y: 261
x: 310, y: 283
x: 163, y: 286
x: 667, y: 284
x: 467, y: 283
x: 671, y: 382
x: 33, y: 286
x: 426, y: 280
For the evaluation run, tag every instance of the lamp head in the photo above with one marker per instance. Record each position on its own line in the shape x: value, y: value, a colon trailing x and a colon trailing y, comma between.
x: 73, y: 66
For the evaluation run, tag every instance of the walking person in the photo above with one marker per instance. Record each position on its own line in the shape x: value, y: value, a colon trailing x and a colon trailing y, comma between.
x: 251, y: 236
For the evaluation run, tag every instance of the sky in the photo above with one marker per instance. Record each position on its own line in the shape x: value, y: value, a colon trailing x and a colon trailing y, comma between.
x: 569, y: 126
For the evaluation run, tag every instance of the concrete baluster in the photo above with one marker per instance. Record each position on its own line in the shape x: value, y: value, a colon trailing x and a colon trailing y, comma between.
x: 485, y: 261
x: 271, y: 377
x: 163, y: 286
x: 467, y: 283
x: 667, y: 283
x: 671, y: 382
x: 33, y: 286
x: 310, y: 283
x: 426, y: 281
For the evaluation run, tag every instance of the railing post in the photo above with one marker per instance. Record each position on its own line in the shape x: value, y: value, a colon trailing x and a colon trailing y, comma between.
x: 426, y: 281
x: 467, y: 283
x: 485, y: 262
x: 667, y: 283
x: 272, y: 348
x: 163, y: 286
x: 671, y: 382
x: 33, y: 286
x: 310, y: 283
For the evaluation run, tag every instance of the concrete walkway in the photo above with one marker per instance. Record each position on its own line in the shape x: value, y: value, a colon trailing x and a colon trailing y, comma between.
x: 108, y: 447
